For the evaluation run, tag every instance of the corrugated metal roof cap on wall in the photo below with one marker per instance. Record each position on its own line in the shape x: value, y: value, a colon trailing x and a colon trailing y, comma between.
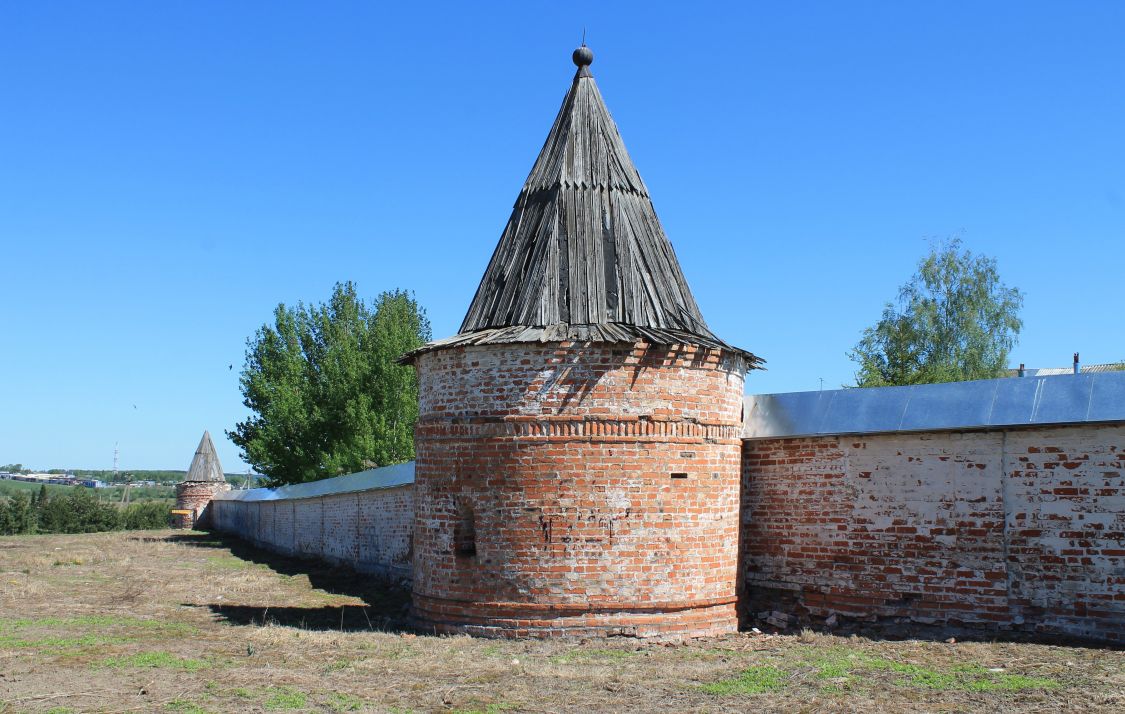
x: 383, y: 477
x: 983, y: 404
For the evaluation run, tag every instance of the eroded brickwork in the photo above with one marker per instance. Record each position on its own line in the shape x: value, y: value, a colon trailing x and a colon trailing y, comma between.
x: 1065, y: 527
x: 577, y: 489
x: 1019, y: 528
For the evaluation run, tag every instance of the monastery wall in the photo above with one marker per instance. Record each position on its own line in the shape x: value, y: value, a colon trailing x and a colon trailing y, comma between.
x: 370, y: 530
x: 1018, y: 527
x: 1015, y: 527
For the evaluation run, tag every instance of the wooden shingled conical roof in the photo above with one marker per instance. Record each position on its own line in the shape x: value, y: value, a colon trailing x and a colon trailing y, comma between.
x: 583, y: 256
x: 205, y: 464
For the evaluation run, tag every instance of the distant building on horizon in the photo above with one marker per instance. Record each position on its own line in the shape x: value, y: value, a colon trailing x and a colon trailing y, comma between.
x: 1022, y: 371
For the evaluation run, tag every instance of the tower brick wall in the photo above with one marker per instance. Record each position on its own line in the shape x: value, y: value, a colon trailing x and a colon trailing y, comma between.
x: 577, y: 488
x: 196, y: 496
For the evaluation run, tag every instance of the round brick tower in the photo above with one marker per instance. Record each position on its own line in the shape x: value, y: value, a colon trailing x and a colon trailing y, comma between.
x: 204, y: 480
x: 578, y: 442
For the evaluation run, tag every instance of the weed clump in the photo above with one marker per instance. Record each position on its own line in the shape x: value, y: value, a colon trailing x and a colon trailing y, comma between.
x: 842, y: 669
x: 753, y: 680
x: 155, y: 660
x: 285, y: 698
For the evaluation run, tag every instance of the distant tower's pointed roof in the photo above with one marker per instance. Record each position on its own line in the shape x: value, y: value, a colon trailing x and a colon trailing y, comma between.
x: 583, y: 256
x: 205, y: 466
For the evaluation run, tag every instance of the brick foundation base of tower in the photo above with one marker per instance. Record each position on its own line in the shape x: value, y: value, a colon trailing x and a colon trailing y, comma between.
x: 577, y: 489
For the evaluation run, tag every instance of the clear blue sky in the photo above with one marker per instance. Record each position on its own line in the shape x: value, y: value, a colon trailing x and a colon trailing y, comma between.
x: 170, y: 171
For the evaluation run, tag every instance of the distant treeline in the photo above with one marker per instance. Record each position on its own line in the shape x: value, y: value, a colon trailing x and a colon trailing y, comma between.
x: 163, y: 476
x: 113, y: 493
x: 77, y: 510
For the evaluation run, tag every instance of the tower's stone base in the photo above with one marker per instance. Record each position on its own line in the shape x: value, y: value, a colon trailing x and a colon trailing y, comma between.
x: 512, y: 620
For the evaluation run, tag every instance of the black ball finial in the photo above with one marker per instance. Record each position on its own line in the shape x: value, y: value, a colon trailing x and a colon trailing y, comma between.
x: 583, y: 56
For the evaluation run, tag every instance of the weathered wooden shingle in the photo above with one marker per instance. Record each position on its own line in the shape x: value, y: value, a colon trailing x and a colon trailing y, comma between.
x: 583, y: 252
x: 205, y: 464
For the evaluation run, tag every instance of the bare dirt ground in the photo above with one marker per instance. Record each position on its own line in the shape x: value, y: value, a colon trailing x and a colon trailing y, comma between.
x: 165, y: 621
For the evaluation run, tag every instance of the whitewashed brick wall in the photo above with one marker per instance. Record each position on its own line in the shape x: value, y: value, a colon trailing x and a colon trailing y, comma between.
x: 371, y: 531
x: 1016, y: 528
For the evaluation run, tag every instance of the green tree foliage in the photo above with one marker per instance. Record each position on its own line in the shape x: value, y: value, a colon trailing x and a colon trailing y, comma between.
x: 51, y: 515
x: 326, y: 393
x: 19, y: 515
x: 79, y: 511
x: 146, y: 515
x: 76, y: 510
x: 954, y: 321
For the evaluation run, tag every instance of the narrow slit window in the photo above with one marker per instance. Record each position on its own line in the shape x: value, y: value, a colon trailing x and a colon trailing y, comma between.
x: 465, y: 532
x: 679, y: 474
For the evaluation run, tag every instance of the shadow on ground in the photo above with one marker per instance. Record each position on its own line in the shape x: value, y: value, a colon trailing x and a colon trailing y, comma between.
x: 346, y: 618
x: 385, y: 604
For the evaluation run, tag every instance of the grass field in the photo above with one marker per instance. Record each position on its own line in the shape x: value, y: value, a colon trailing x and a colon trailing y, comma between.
x: 161, y: 621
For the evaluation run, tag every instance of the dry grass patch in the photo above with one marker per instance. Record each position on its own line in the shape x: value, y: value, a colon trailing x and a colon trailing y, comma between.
x: 191, y: 623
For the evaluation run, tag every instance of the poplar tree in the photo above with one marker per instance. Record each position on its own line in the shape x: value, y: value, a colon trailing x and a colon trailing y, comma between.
x: 954, y: 320
x: 326, y: 393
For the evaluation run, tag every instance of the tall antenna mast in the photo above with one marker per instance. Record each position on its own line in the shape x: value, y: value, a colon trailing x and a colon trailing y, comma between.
x: 115, y: 455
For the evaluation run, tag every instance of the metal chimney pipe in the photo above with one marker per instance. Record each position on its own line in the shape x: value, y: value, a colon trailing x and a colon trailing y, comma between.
x: 1076, y: 363
x: 1021, y: 369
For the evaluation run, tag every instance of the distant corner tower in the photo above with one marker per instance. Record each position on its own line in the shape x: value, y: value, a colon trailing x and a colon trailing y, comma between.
x: 204, y: 480
x: 578, y: 441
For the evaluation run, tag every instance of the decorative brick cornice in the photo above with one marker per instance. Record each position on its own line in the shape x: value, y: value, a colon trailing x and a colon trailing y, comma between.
x: 564, y: 428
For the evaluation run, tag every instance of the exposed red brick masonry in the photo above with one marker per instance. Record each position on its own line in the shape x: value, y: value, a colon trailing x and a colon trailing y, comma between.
x: 568, y: 523
x: 1018, y: 528
x: 574, y: 489
x: 195, y: 496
